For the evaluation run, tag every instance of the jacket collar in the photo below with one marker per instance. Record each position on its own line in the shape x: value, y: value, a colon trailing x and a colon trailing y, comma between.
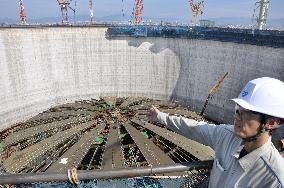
x: 248, y: 160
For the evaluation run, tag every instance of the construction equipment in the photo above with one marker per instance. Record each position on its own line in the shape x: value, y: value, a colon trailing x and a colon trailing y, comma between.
x: 23, y: 16
x: 91, y: 11
x: 138, y: 11
x: 261, y: 19
x: 64, y: 6
x: 196, y: 9
x: 262, y: 14
x: 213, y: 90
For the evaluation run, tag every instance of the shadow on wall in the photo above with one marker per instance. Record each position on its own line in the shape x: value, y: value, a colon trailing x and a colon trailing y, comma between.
x: 203, y: 62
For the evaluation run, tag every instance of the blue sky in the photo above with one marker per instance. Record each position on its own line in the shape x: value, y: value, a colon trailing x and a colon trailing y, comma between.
x: 152, y: 8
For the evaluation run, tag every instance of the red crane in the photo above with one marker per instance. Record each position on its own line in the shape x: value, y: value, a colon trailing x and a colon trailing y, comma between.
x: 196, y: 9
x: 23, y: 16
x: 138, y: 11
x: 91, y: 11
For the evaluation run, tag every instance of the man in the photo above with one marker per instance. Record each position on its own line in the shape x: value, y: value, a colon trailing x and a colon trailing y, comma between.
x: 244, y: 153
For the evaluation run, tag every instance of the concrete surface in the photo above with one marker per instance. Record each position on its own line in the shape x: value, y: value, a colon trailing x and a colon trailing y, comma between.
x: 42, y: 67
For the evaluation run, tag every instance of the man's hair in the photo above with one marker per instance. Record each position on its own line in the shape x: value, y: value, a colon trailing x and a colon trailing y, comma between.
x: 265, y: 118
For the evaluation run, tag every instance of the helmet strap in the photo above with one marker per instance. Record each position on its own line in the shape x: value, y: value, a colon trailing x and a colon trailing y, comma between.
x: 259, y: 132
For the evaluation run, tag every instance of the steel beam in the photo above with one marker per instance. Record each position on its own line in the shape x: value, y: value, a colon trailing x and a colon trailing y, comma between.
x: 19, y: 136
x: 131, y: 100
x: 109, y: 100
x: 198, y: 150
x: 112, y: 158
x: 19, y: 160
x: 147, y: 105
x: 75, y: 154
x: 152, y: 153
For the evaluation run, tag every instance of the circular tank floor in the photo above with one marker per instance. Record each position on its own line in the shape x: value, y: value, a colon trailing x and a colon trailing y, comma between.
x: 109, y: 133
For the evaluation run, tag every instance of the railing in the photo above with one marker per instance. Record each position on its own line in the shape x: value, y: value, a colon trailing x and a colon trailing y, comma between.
x: 98, y: 174
x: 243, y: 36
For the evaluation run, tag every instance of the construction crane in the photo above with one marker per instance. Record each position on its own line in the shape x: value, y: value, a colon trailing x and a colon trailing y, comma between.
x: 196, y: 9
x: 262, y: 14
x: 64, y: 6
x: 138, y: 11
x: 23, y: 16
x: 91, y: 11
x: 262, y: 6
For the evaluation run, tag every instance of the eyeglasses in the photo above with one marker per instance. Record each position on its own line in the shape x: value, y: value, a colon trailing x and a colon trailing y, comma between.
x: 241, y: 112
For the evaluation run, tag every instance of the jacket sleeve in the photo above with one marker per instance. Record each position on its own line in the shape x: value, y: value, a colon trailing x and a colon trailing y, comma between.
x: 207, y: 134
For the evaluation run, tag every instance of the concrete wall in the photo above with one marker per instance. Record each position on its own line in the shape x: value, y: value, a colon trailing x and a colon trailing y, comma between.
x: 43, y: 67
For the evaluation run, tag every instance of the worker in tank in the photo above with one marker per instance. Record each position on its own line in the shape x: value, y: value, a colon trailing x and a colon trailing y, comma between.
x: 244, y: 153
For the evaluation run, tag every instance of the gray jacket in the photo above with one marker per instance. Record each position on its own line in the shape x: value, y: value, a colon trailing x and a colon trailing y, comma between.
x: 261, y: 168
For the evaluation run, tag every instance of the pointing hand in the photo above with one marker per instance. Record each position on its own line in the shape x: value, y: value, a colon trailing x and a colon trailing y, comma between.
x: 153, y: 113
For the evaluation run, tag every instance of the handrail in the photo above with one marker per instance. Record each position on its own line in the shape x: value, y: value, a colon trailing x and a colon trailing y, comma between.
x: 99, y: 174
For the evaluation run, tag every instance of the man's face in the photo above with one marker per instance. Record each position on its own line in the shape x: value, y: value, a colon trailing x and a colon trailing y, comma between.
x: 247, y: 123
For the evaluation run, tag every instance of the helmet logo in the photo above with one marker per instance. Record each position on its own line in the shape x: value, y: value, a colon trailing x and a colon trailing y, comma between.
x: 244, y: 93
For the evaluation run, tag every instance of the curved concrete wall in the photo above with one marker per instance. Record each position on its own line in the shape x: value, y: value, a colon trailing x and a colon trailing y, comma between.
x: 42, y: 67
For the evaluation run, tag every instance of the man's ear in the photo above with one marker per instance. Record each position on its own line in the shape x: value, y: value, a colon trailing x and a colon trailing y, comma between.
x: 272, y: 123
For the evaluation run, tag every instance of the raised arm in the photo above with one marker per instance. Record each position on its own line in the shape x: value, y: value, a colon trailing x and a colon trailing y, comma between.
x: 207, y: 134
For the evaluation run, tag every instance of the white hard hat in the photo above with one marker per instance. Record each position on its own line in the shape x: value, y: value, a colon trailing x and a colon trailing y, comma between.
x: 264, y: 95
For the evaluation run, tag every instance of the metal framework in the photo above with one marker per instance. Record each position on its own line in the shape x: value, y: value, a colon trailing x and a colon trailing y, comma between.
x: 91, y: 11
x: 23, y: 16
x: 196, y: 9
x: 262, y: 14
x: 64, y: 6
x: 138, y: 11
x: 107, y: 136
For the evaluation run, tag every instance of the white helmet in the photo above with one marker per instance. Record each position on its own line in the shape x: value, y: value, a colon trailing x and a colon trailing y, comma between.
x: 264, y: 95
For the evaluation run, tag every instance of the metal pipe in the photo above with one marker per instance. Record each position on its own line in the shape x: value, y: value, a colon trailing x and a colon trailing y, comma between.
x: 262, y: 14
x: 98, y: 174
